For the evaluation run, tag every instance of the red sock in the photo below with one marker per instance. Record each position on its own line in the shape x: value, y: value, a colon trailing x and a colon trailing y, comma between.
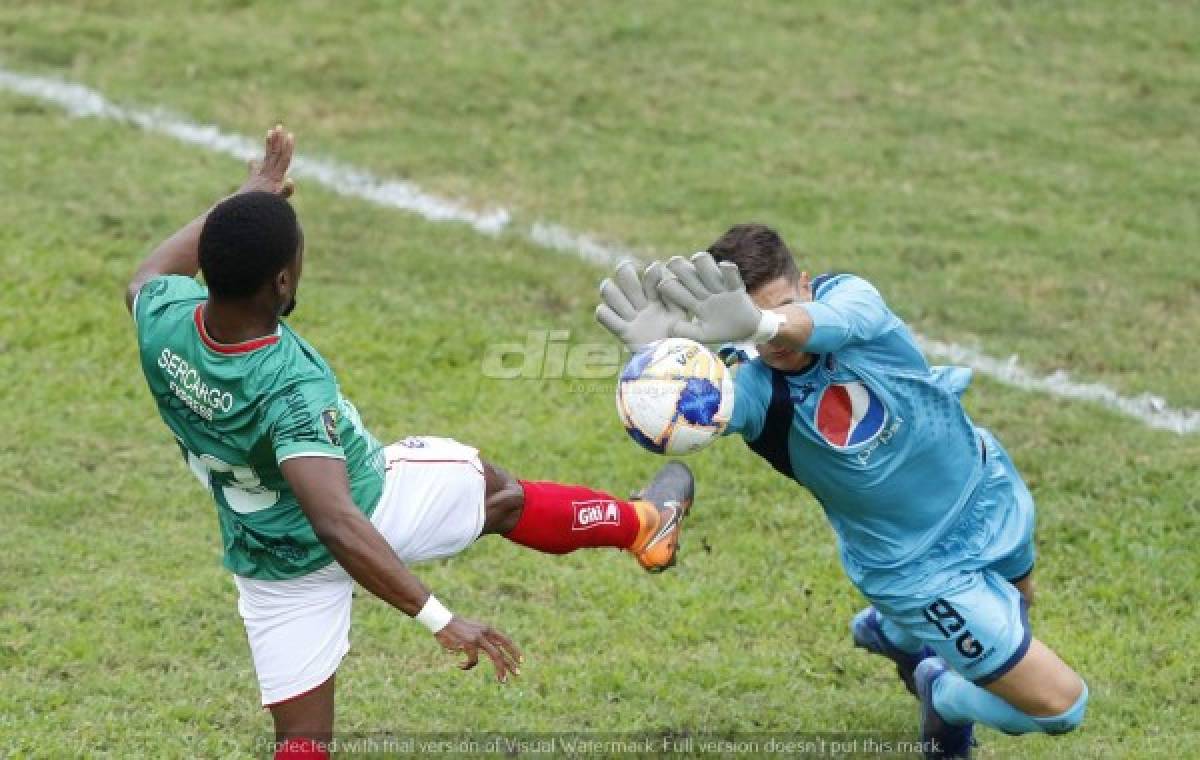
x: 558, y: 519
x: 301, y: 749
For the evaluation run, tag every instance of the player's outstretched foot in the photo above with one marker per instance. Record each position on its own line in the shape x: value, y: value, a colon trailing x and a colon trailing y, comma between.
x: 867, y: 630
x: 939, y: 738
x: 662, y: 505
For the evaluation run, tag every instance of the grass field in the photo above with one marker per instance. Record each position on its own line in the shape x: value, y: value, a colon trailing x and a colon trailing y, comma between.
x: 1021, y: 177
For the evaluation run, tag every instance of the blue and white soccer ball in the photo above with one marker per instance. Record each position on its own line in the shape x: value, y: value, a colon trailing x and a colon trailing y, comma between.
x: 674, y: 396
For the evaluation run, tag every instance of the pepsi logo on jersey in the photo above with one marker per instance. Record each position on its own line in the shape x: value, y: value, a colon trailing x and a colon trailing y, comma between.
x: 848, y: 414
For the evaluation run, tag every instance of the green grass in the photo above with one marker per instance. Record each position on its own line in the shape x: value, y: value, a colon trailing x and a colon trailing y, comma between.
x: 1022, y: 177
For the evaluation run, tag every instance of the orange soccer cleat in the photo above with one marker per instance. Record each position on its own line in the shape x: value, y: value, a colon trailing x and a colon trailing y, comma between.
x: 662, y: 505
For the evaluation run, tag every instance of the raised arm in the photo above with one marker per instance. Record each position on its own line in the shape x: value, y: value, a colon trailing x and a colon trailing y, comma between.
x: 322, y: 488
x: 722, y: 311
x: 178, y: 253
x: 845, y: 309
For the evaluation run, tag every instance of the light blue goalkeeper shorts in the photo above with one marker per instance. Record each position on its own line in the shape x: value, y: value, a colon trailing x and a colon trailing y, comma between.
x: 959, y: 598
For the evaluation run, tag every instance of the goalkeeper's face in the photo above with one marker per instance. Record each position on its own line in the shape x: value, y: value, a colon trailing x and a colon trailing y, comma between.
x: 771, y: 295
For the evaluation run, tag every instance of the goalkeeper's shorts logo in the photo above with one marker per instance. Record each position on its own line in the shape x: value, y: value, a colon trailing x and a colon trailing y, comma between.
x: 589, y: 514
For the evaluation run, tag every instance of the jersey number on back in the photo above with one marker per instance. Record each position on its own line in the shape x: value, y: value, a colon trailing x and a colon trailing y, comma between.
x: 243, y: 491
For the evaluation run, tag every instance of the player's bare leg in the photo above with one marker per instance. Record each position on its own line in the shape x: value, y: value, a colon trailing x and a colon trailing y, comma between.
x: 1040, y: 694
x: 304, y: 725
x: 557, y: 518
x: 1040, y: 685
x: 504, y: 499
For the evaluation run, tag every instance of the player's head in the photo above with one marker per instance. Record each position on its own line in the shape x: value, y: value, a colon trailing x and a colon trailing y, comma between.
x: 771, y: 276
x: 251, y: 251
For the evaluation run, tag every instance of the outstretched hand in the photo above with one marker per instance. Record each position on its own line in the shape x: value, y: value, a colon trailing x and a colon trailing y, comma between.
x: 469, y: 637
x: 632, y: 308
x: 715, y: 297
x: 270, y: 175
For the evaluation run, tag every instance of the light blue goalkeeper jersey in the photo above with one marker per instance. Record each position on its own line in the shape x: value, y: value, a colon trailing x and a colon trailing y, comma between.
x: 877, y: 435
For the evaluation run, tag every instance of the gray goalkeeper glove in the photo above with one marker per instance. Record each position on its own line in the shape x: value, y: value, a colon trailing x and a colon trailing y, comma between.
x: 632, y: 308
x: 714, y: 295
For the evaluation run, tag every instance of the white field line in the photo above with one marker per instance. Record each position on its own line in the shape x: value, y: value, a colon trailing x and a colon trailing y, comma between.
x: 1149, y: 408
x: 80, y: 101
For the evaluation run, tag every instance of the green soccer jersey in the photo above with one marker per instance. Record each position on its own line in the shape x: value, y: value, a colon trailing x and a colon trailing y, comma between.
x: 237, y: 411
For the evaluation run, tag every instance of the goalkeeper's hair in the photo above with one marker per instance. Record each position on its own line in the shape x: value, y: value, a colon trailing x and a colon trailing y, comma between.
x: 247, y: 239
x: 759, y: 253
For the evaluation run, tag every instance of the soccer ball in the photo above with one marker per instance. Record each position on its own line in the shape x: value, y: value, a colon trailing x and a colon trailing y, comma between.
x: 674, y: 396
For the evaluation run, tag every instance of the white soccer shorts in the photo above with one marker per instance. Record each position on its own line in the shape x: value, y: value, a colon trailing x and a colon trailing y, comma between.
x: 299, y: 629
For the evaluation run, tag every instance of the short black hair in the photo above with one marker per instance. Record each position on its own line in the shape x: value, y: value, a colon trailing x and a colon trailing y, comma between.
x: 760, y: 254
x: 246, y: 240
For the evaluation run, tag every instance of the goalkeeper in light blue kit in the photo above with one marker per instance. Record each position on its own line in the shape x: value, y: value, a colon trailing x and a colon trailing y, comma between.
x: 934, y: 524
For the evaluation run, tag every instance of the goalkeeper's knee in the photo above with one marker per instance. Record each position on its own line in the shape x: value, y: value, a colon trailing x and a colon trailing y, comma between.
x: 1068, y: 721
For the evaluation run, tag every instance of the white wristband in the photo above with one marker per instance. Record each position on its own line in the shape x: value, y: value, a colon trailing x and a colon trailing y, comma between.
x: 433, y: 615
x: 768, y: 326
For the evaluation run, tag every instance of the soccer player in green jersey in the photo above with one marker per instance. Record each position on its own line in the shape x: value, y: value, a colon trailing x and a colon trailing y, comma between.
x: 308, y: 501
